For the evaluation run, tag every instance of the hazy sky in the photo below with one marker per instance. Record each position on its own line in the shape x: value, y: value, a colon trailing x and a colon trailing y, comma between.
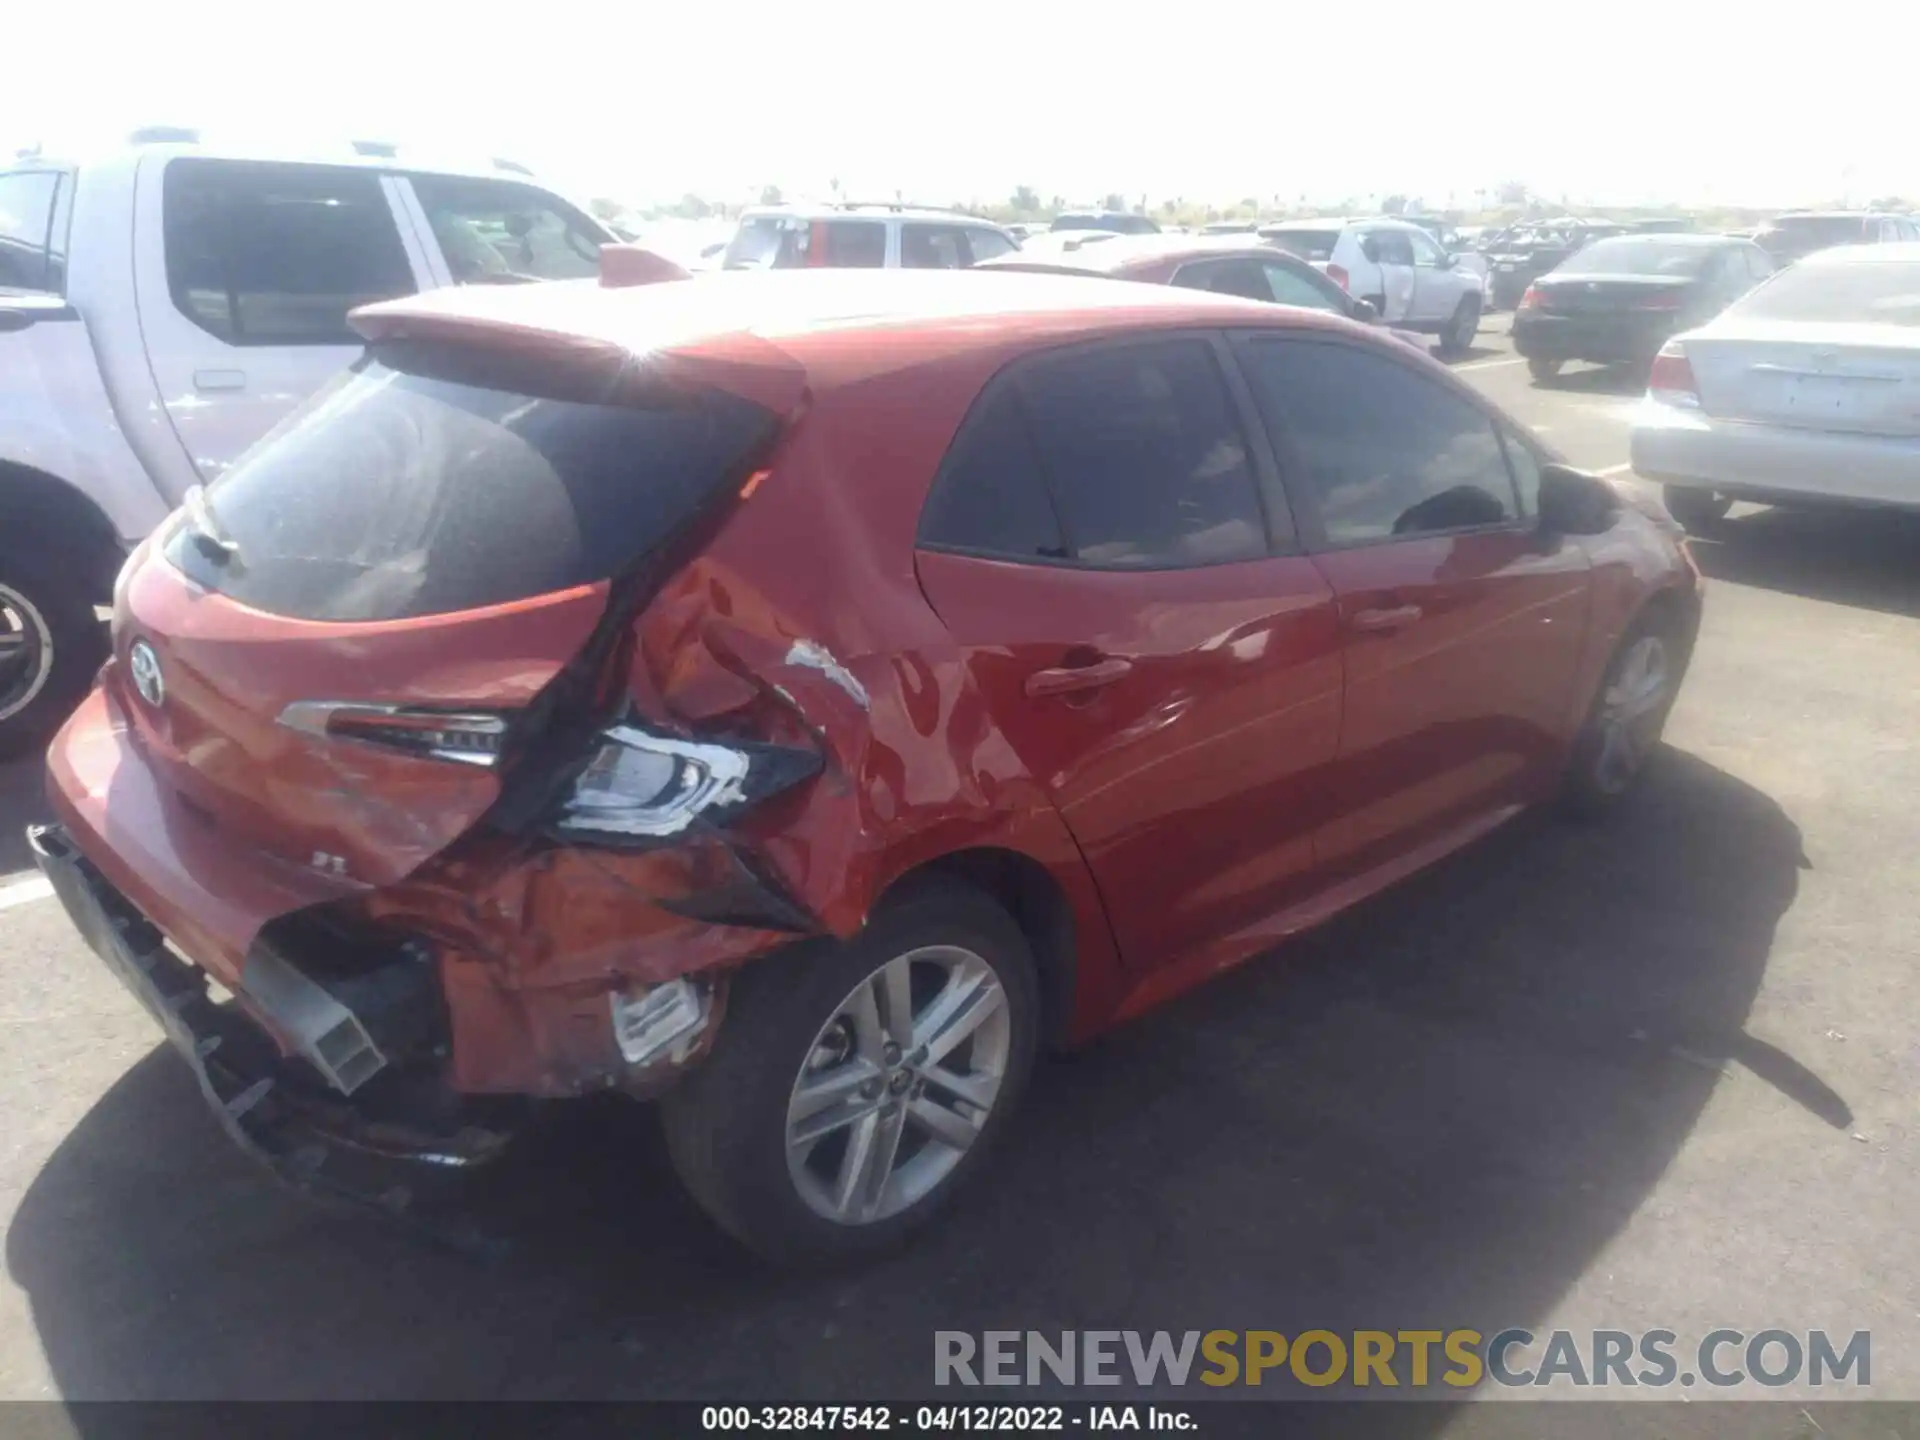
x: 1612, y: 101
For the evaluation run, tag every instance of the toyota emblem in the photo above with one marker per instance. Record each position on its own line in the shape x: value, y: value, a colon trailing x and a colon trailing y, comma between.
x: 145, y: 665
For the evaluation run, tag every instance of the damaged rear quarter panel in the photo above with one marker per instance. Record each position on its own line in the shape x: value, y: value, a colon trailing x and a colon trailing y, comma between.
x: 803, y: 622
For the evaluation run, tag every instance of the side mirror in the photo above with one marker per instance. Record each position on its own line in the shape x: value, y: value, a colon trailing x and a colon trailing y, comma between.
x: 1572, y: 502
x: 1362, y: 310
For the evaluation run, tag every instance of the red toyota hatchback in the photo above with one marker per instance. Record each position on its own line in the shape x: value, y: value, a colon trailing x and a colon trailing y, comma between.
x: 800, y: 697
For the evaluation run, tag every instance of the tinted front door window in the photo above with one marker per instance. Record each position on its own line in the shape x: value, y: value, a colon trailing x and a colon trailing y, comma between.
x: 1380, y: 451
x: 497, y: 232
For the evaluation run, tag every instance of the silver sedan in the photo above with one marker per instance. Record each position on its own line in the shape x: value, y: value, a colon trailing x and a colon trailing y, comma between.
x: 1807, y: 389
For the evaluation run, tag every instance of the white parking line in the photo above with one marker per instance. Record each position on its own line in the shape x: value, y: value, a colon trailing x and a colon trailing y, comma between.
x: 1487, y: 365
x: 25, y: 892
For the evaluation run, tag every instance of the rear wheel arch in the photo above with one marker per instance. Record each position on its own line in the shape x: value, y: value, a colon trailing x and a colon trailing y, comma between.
x: 56, y: 519
x: 1037, y: 904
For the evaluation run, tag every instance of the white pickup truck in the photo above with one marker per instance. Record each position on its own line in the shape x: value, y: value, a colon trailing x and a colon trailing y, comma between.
x: 162, y: 307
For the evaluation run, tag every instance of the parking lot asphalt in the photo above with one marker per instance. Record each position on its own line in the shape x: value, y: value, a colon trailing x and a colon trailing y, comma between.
x: 1656, y: 1074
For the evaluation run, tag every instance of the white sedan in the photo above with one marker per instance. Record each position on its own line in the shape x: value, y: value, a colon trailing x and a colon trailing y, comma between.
x: 1806, y: 389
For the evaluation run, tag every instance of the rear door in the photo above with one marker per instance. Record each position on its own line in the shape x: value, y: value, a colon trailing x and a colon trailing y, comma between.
x: 1461, y: 628
x: 1436, y: 288
x: 1391, y: 255
x: 1106, y: 547
x: 243, y: 278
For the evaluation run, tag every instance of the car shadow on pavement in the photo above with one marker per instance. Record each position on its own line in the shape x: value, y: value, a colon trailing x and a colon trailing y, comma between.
x: 1599, y: 380
x: 1433, y: 1112
x: 1865, y: 558
x: 23, y: 800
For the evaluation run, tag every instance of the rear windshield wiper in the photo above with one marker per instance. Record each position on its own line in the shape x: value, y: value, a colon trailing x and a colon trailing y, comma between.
x: 205, y: 529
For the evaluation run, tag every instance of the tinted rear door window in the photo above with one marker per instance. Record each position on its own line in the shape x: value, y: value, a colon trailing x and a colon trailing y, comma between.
x: 933, y: 247
x: 396, y: 493
x: 1380, y: 452
x: 991, y: 497
x: 1144, y: 451
x: 856, y: 244
x: 1245, y: 278
x: 262, y: 254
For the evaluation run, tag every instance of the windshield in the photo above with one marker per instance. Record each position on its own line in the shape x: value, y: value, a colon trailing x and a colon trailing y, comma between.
x: 1636, y: 255
x: 1307, y: 244
x: 1870, y: 293
x: 393, y: 494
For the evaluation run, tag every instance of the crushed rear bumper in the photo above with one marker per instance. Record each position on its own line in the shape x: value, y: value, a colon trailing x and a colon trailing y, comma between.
x: 311, y: 1137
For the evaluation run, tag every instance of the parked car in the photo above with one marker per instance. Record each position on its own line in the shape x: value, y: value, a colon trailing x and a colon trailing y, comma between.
x: 862, y: 237
x: 1398, y: 268
x: 802, y: 696
x: 1523, y: 256
x: 1806, y: 391
x: 1223, y: 264
x: 1618, y: 300
x: 162, y: 307
x: 1799, y: 233
x: 1119, y: 222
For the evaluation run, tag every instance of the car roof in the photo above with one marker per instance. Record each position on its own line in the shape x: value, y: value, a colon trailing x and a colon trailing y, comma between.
x: 1133, y: 252
x: 1681, y: 237
x: 868, y: 212
x: 417, y: 162
x: 773, y: 334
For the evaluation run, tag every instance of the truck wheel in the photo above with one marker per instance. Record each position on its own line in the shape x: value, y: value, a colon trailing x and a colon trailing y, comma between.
x: 854, y: 1086
x: 51, y: 647
x: 1457, y: 338
x: 1698, y: 510
x: 1544, y: 372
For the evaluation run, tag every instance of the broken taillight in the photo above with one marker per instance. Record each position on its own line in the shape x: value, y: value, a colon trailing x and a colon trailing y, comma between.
x: 641, y: 785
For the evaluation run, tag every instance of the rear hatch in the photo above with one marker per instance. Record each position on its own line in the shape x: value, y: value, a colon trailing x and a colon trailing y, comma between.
x: 1829, y: 345
x: 332, y: 656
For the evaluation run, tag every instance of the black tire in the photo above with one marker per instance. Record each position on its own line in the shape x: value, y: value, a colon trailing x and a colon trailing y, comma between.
x: 1543, y: 371
x: 726, y: 1123
x: 51, y: 646
x: 1592, y: 786
x: 1457, y: 338
x: 1699, y: 510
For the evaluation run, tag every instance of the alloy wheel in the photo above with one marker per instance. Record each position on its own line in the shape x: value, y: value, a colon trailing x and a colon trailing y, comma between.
x: 898, y: 1084
x: 1631, y: 712
x: 26, y: 652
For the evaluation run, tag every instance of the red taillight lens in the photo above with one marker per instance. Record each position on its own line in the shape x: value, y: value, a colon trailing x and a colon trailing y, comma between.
x: 1337, y: 274
x: 817, y: 244
x: 1533, y: 299
x: 1671, y: 381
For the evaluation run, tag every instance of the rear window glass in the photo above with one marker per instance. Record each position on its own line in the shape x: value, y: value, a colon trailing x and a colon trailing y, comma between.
x: 26, y: 220
x: 1307, y: 244
x: 1869, y: 293
x: 393, y: 494
x: 1636, y: 255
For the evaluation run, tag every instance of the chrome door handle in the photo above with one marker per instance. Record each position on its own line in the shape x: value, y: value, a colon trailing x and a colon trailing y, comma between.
x: 1380, y: 622
x: 1070, y: 678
